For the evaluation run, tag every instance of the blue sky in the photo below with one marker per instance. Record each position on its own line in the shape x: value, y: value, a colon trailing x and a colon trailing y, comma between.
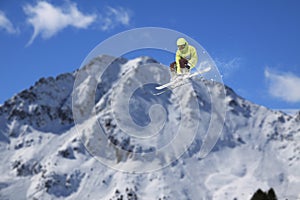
x: 255, y: 44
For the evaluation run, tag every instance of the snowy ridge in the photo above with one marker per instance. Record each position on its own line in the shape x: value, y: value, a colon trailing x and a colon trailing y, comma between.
x: 43, y: 157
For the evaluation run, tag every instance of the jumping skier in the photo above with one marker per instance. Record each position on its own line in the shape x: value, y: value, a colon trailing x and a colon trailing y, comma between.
x: 186, y: 58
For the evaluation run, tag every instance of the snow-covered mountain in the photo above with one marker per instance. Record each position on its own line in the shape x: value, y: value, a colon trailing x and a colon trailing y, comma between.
x: 74, y: 137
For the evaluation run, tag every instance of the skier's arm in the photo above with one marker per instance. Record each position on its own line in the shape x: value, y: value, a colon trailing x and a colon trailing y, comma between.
x: 194, y: 57
x: 177, y: 62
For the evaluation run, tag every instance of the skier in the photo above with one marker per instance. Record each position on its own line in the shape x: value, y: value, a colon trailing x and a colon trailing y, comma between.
x: 186, y: 58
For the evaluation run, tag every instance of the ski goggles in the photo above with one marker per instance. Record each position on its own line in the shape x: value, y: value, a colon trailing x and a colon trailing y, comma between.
x: 180, y: 47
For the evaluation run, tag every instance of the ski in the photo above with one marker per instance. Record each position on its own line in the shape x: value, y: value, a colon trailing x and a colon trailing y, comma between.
x: 161, y: 92
x: 183, y: 78
x: 170, y: 88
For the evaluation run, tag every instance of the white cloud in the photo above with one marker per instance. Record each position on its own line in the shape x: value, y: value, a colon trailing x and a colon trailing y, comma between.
x: 284, y: 86
x: 6, y: 24
x: 48, y: 19
x: 114, y: 17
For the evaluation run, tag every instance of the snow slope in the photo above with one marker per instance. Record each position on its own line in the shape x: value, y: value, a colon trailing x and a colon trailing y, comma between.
x: 87, y: 135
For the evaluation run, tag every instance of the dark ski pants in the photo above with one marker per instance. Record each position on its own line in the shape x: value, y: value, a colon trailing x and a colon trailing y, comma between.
x: 173, y: 67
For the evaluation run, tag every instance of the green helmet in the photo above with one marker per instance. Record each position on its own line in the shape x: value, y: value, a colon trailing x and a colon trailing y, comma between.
x: 181, y: 41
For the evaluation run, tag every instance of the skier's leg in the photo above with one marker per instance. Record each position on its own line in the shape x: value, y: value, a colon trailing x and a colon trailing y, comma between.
x: 173, y: 70
x: 182, y: 63
x: 183, y: 67
x: 185, y: 71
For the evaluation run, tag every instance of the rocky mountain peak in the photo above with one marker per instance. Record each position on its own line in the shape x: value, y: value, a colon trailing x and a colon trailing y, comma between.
x: 45, y: 155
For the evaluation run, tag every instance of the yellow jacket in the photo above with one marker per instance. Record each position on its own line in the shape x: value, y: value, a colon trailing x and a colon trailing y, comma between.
x: 189, y: 53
